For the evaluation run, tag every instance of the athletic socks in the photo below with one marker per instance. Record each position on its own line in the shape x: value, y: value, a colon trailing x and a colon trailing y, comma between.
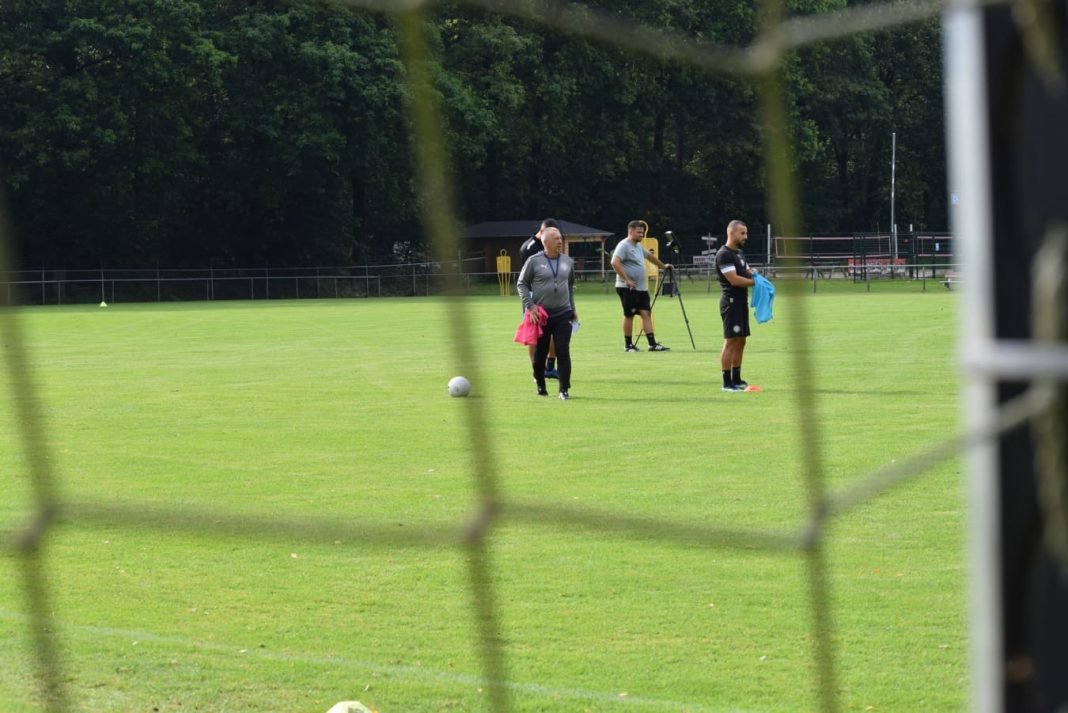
x: 550, y: 364
x: 736, y: 375
x: 727, y: 382
x: 630, y: 340
x: 651, y: 338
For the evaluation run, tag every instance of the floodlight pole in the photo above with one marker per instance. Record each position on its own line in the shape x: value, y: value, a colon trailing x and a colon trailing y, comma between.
x: 893, y: 219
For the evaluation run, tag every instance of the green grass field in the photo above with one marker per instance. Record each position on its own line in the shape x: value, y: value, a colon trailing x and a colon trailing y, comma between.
x: 336, y: 412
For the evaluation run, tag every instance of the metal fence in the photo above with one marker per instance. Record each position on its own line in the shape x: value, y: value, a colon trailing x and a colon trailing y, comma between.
x: 61, y: 286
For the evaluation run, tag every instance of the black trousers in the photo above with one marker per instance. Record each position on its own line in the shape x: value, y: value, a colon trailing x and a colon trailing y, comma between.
x: 558, y: 329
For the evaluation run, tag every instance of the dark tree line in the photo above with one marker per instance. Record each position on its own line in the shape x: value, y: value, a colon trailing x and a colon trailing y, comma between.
x: 196, y: 132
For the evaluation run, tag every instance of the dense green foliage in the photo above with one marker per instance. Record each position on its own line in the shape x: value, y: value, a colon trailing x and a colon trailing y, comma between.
x: 189, y: 132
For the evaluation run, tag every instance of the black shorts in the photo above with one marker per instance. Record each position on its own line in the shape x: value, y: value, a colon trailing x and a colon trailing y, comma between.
x: 634, y: 301
x: 735, y: 315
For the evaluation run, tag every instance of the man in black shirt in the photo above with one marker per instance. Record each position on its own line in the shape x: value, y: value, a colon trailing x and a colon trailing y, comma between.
x: 532, y: 247
x: 735, y: 277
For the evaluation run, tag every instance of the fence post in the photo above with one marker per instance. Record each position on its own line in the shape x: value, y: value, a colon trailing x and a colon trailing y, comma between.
x: 812, y: 261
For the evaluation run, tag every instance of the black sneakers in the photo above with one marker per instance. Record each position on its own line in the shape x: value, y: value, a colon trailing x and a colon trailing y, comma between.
x: 542, y: 391
x: 564, y: 396
x: 658, y: 348
x: 630, y: 348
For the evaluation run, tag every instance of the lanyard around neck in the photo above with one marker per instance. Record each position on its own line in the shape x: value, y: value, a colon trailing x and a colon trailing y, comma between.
x: 555, y: 270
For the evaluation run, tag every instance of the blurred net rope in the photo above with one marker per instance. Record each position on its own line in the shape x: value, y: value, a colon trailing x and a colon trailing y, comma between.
x: 1042, y: 406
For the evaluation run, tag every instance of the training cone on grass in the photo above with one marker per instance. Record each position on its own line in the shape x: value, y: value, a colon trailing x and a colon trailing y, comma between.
x: 754, y: 387
x: 103, y: 304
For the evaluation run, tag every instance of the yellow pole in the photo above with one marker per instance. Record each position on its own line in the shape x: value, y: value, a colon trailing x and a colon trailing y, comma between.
x: 504, y: 273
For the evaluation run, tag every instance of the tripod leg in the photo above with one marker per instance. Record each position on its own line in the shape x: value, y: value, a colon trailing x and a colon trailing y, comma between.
x: 677, y: 291
x: 685, y: 318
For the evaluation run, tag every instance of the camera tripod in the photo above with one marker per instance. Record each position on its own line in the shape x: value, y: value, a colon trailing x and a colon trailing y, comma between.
x: 669, y: 279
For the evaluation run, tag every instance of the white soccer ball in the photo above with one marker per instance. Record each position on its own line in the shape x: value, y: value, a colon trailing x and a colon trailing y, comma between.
x: 459, y: 386
x: 349, y: 707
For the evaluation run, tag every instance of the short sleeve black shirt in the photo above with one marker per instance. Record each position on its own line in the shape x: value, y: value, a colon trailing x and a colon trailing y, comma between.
x: 529, y: 249
x: 727, y: 258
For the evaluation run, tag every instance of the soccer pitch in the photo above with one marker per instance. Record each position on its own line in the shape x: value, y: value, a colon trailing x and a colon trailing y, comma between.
x: 205, y: 417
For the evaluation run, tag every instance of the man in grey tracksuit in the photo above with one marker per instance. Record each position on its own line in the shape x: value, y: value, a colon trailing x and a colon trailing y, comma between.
x: 548, y: 279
